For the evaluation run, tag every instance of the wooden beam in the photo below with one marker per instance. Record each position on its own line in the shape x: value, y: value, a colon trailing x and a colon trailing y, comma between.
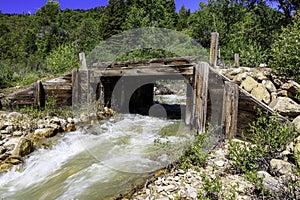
x: 82, y: 61
x: 214, y: 49
x: 230, y: 109
x: 236, y: 60
x: 75, y: 89
x: 200, y: 96
x: 189, y: 101
x: 169, y: 70
x: 39, y: 95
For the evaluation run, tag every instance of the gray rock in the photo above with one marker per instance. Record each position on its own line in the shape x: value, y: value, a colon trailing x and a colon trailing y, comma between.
x: 270, y: 183
x: 14, y: 115
x: 192, y: 193
x: 220, y: 163
x: 296, y: 121
x: 281, y: 166
x: 286, y: 106
x: 269, y: 85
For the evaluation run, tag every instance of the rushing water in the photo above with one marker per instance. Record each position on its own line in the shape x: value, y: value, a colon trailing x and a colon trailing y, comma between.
x: 97, y: 162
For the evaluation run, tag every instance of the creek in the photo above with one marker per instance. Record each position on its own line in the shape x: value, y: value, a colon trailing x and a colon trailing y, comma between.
x: 99, y: 161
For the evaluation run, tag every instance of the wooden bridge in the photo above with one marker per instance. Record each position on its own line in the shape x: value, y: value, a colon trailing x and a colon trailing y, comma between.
x: 210, y: 97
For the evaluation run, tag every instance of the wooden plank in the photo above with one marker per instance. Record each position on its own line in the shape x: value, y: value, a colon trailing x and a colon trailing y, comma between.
x: 214, y: 49
x: 132, y: 63
x: 39, y: 95
x: 186, y: 69
x: 230, y: 109
x: 189, y: 101
x: 200, y: 96
x: 236, y: 60
x: 82, y: 61
x: 75, y: 89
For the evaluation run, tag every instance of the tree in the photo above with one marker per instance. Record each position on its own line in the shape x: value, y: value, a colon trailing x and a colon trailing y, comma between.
x: 285, y: 51
x: 183, y: 16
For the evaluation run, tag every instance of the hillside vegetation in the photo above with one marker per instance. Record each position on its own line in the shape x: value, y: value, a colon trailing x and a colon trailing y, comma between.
x: 48, y: 42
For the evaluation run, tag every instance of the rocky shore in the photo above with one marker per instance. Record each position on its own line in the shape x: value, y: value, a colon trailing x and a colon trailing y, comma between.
x: 217, y: 180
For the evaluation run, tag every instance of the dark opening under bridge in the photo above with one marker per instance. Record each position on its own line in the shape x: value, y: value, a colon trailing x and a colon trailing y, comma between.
x: 128, y: 87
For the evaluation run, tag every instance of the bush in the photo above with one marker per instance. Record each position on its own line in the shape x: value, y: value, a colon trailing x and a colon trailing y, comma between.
x: 270, y: 136
x: 285, y: 52
x: 63, y: 59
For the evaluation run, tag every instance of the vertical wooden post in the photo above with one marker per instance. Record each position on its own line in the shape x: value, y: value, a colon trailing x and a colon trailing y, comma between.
x: 39, y: 95
x: 200, y: 96
x: 82, y: 61
x: 214, y: 49
x: 236, y: 60
x: 230, y: 109
x: 189, y: 101
x: 75, y: 88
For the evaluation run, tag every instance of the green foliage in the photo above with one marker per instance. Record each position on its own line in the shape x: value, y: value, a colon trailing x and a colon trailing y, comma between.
x: 63, y: 59
x: 211, y: 187
x: 194, y: 156
x: 269, y: 137
x: 285, y: 51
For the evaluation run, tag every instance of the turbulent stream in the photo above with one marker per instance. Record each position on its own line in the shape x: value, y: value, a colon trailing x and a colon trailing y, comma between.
x: 97, y: 162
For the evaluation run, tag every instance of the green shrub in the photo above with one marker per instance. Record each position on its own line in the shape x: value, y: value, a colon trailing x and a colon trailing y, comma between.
x: 269, y: 135
x: 62, y: 59
x: 194, y: 156
x: 285, y: 52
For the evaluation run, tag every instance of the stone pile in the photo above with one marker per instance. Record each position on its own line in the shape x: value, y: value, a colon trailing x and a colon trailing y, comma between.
x: 20, y: 135
x: 192, y: 184
x: 280, y: 94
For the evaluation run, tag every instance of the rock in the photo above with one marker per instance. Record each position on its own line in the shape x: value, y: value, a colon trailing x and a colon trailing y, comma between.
x: 292, y: 87
x: 261, y: 76
x: 296, y: 121
x: 297, y: 150
x: 5, y: 166
x: 281, y: 166
x: 192, y: 193
x: 261, y: 93
x: 3, y: 156
x: 70, y: 127
x: 220, y: 163
x: 269, y: 85
x: 170, y: 188
x: 17, y: 133
x: 11, y: 144
x: 239, y: 78
x: 14, y: 115
x: 45, y: 132
x: 24, y: 147
x: 263, y: 65
x: 270, y: 183
x: 2, y: 150
x: 286, y: 106
x: 249, y: 83
x: 15, y: 160
x: 283, y: 93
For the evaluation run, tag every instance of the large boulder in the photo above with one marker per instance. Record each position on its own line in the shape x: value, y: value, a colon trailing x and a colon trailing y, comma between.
x: 269, y: 85
x: 286, y: 106
x: 249, y: 83
x: 261, y: 93
x: 23, y: 148
x: 45, y: 132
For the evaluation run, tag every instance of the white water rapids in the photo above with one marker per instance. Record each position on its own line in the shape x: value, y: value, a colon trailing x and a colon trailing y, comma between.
x: 99, y: 162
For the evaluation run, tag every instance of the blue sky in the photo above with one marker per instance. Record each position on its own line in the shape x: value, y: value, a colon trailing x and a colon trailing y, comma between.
x: 30, y: 6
